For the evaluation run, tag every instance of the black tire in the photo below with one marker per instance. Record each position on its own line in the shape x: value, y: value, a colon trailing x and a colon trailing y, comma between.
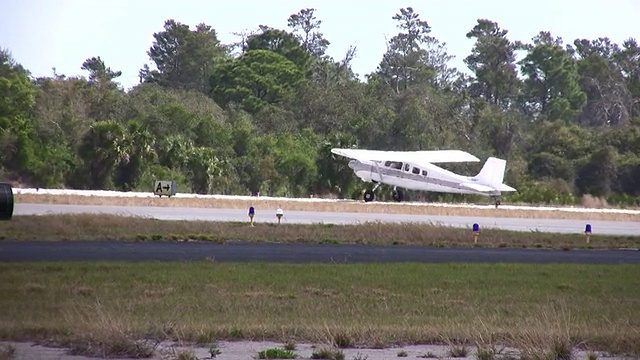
x: 398, y: 195
x: 368, y: 196
x: 6, y: 201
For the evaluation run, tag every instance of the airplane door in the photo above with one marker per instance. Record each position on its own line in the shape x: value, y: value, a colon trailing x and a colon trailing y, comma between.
x: 406, y: 170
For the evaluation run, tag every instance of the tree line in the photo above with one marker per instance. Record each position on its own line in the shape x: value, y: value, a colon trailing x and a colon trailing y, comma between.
x: 263, y: 113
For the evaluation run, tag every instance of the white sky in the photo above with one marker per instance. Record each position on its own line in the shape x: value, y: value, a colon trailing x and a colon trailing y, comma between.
x: 42, y: 34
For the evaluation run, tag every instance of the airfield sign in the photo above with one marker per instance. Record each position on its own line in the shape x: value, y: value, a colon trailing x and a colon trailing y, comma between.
x: 164, y: 188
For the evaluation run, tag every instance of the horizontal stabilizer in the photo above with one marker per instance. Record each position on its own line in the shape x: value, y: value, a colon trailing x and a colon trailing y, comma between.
x: 477, y: 187
x: 430, y: 156
x: 505, y: 187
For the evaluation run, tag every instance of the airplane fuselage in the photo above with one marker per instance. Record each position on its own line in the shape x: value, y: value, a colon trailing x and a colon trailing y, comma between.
x: 423, y: 177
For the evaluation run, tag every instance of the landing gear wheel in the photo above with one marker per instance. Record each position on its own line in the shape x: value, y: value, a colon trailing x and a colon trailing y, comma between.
x: 397, y: 195
x: 368, y: 196
x: 497, y: 199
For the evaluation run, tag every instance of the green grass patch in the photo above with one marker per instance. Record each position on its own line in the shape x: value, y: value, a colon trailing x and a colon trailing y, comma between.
x: 330, y: 354
x: 110, y: 227
x: 276, y: 353
x: 93, y: 306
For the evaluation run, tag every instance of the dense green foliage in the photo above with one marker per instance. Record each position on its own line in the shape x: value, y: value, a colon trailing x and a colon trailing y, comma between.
x: 262, y: 114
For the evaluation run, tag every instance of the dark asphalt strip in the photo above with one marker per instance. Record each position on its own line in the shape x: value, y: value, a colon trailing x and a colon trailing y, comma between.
x: 295, y: 253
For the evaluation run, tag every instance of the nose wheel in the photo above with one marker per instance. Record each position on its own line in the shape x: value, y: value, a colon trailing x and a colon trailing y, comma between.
x: 369, y: 196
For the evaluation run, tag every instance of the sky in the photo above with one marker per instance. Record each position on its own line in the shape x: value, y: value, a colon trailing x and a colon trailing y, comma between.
x: 43, y: 34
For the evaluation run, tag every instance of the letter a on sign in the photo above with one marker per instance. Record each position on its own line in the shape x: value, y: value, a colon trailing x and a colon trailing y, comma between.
x: 159, y: 187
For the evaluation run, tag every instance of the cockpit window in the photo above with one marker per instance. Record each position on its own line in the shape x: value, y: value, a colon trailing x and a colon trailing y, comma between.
x: 415, y: 170
x: 406, y: 167
x: 425, y: 173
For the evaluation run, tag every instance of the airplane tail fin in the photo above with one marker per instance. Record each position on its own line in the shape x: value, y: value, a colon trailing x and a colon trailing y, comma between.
x: 492, y: 174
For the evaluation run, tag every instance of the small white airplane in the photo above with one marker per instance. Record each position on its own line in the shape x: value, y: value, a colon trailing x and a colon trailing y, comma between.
x: 415, y: 170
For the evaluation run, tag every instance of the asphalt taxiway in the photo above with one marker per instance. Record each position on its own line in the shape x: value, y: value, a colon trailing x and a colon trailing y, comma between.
x: 295, y: 253
x: 307, y: 217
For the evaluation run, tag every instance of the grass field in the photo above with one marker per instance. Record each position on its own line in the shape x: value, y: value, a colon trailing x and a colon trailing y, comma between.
x: 535, y: 308
x: 111, y: 227
x: 266, y: 204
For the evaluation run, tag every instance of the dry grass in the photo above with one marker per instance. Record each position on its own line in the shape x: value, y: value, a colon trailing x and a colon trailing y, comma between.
x: 99, y: 334
x: 325, y: 206
x: 549, y: 338
x: 538, y: 309
x: 112, y: 227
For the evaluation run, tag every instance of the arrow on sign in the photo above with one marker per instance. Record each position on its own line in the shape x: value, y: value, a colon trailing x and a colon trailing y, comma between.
x: 163, y: 188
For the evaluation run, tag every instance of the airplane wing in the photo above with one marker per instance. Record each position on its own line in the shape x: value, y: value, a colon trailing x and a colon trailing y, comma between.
x: 431, y: 156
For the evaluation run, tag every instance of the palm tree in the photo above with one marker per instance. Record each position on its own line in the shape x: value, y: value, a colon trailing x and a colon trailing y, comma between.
x: 103, y: 147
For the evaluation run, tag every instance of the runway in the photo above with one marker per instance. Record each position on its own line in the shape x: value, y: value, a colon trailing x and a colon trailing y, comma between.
x: 308, y: 217
x: 295, y: 253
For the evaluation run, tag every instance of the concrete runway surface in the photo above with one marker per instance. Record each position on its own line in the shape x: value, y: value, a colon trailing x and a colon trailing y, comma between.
x: 308, y: 217
x: 11, y: 251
